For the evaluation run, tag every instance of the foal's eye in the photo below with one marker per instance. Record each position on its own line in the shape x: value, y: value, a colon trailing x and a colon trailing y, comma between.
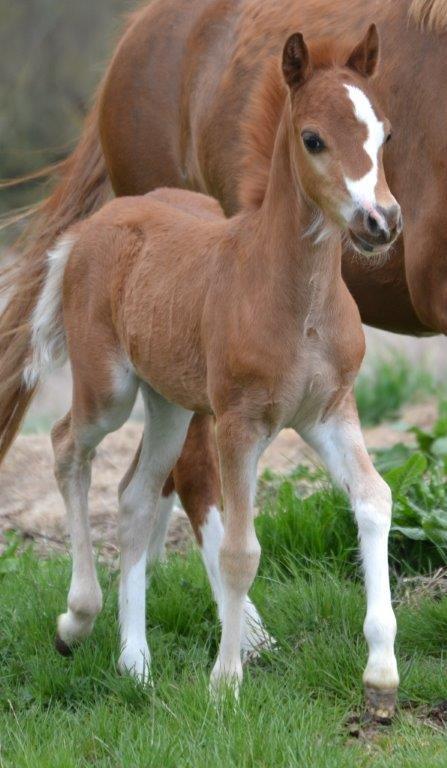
x: 389, y: 137
x: 313, y: 142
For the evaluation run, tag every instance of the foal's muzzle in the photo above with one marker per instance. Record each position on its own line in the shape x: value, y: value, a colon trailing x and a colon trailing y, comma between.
x: 373, y: 230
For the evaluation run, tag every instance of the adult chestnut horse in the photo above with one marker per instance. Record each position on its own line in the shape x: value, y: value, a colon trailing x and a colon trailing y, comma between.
x: 192, y: 99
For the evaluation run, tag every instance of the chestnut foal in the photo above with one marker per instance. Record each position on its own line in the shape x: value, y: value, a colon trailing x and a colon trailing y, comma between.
x: 247, y: 319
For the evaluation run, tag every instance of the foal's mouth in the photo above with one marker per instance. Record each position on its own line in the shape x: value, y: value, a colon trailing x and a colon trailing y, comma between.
x: 366, y: 248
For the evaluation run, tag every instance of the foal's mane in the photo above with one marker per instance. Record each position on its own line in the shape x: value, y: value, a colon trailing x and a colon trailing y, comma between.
x: 430, y: 15
x: 262, y: 117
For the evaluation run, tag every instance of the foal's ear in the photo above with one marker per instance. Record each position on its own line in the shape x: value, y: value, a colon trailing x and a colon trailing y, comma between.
x: 365, y: 56
x: 296, y: 64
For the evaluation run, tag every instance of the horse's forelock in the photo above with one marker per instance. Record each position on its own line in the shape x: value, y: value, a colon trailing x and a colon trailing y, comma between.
x: 430, y: 15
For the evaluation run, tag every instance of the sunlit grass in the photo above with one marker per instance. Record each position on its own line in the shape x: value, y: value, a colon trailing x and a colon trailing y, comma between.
x: 295, y: 702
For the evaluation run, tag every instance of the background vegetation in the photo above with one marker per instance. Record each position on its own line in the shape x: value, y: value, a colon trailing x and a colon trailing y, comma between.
x: 53, y: 56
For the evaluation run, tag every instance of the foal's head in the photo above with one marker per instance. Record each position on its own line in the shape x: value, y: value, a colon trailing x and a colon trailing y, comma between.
x: 341, y: 131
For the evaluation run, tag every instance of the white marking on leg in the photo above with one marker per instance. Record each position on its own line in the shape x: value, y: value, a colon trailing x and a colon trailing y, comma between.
x: 255, y: 637
x: 340, y: 444
x: 135, y: 656
x: 141, y: 529
x: 84, y: 597
x: 212, y: 534
x: 363, y: 191
x: 47, y: 328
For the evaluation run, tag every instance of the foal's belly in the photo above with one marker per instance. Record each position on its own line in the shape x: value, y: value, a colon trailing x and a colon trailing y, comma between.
x: 176, y: 372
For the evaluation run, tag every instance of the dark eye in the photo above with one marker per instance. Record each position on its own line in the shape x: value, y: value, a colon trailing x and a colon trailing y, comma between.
x: 389, y: 137
x: 313, y: 142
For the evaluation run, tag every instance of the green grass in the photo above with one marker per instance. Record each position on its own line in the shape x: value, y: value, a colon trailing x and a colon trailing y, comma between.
x: 394, y: 381
x: 58, y: 713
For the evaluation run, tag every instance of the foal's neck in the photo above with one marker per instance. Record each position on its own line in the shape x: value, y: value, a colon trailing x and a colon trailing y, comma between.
x: 286, y: 225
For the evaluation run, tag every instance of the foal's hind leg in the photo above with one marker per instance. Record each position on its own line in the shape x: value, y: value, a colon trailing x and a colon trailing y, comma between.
x: 340, y: 443
x: 197, y: 482
x: 74, y: 440
x: 164, y: 434
x: 73, y: 473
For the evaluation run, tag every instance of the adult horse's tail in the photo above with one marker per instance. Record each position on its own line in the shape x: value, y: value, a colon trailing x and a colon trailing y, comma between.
x: 82, y: 187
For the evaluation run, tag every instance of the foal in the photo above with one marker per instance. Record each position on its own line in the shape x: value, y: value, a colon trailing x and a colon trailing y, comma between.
x: 247, y: 319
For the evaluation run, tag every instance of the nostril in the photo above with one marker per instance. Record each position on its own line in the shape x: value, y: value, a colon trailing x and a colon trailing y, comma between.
x: 373, y: 225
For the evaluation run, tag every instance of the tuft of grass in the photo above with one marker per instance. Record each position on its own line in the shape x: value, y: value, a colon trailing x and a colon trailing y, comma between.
x: 392, y: 383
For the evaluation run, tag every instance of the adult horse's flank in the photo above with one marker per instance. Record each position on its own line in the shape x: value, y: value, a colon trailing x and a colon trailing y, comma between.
x: 245, y: 318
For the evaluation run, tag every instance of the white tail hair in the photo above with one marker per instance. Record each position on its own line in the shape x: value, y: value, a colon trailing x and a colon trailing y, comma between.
x: 47, y: 329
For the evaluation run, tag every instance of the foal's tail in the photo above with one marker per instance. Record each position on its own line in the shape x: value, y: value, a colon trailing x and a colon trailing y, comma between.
x: 29, y: 336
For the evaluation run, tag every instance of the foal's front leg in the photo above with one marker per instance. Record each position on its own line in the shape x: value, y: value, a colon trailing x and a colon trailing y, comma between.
x: 240, y: 443
x: 340, y: 443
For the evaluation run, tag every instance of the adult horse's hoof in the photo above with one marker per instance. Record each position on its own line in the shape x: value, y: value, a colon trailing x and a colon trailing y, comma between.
x: 380, y: 705
x: 62, y: 647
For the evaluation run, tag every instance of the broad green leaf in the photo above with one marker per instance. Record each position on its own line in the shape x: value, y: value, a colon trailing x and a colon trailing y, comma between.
x: 416, y: 534
x: 401, y: 479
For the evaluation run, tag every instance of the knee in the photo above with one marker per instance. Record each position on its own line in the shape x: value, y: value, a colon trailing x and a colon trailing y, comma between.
x: 239, y: 564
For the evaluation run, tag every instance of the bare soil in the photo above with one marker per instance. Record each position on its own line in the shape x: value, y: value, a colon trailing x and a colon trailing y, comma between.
x: 30, y: 502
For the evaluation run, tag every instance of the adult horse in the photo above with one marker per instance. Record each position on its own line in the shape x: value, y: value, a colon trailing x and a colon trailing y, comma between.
x: 192, y: 99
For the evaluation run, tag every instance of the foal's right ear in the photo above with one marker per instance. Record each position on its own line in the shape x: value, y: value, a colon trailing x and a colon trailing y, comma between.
x: 296, y: 63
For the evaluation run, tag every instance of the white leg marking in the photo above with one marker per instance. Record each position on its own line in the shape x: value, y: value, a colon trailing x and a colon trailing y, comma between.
x: 240, y: 550
x: 142, y: 530
x: 84, y: 597
x: 363, y: 191
x: 255, y: 637
x: 340, y: 444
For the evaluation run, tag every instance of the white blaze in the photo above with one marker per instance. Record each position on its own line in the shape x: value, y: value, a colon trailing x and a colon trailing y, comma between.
x: 363, y: 191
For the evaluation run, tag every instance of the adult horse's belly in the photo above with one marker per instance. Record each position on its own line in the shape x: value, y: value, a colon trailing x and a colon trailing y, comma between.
x: 172, y: 108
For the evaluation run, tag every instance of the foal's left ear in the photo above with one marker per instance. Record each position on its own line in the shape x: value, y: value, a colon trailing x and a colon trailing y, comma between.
x: 296, y: 64
x: 365, y: 56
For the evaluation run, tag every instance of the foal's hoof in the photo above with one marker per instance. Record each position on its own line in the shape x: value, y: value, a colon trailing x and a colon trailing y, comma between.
x: 380, y: 705
x: 62, y: 647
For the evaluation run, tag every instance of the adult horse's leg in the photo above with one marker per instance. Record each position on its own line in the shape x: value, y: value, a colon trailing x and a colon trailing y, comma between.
x: 340, y: 443
x: 143, y: 522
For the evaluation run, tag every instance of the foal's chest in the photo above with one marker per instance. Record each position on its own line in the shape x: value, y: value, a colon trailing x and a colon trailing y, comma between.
x: 327, y: 363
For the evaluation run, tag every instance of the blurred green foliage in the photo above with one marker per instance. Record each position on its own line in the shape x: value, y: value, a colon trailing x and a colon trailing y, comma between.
x: 53, y: 55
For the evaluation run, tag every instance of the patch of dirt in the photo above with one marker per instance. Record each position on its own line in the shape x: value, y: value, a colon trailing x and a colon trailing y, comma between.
x: 30, y: 501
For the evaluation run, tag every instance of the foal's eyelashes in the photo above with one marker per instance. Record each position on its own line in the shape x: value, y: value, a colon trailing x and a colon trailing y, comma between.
x: 313, y: 142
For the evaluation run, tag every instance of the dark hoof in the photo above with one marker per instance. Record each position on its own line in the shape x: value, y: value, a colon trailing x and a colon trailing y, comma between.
x: 380, y: 706
x: 62, y: 647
